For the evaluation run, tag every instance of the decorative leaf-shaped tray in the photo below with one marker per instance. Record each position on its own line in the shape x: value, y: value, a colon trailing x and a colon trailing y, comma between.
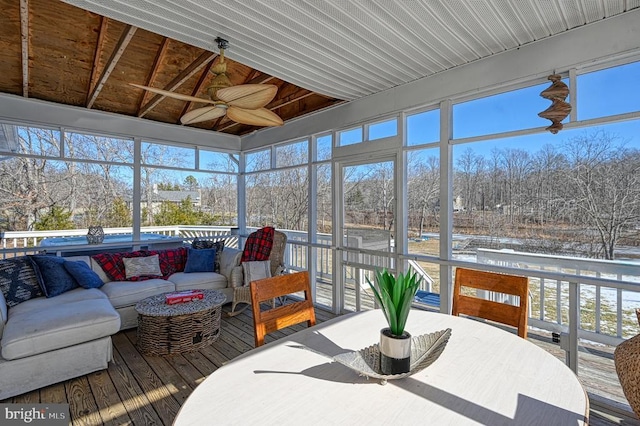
x: 425, y: 349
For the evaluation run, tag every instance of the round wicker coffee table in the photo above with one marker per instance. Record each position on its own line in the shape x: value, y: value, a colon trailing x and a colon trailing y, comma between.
x: 184, y: 327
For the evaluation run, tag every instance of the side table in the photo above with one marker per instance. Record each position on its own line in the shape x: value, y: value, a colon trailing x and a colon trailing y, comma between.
x: 184, y: 327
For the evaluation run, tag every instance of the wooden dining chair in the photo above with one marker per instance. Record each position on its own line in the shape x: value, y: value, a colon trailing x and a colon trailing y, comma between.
x: 515, y: 316
x: 291, y: 313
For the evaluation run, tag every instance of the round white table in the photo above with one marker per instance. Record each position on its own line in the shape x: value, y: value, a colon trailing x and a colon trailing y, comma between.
x: 485, y: 375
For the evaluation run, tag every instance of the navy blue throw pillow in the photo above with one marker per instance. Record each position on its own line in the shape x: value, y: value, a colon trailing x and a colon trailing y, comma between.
x: 18, y: 281
x: 83, y: 274
x: 53, y: 277
x: 207, y: 244
x: 200, y: 260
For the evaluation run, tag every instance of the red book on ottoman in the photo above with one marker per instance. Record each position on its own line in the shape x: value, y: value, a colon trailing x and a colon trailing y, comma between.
x: 183, y: 296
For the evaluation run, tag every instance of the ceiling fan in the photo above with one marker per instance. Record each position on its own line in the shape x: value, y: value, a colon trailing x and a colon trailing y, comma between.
x: 243, y: 103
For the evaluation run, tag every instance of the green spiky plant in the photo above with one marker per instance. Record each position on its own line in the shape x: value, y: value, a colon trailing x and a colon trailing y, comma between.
x: 395, y: 295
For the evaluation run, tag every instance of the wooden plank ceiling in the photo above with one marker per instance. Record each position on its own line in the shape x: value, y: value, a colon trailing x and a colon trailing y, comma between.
x: 56, y: 52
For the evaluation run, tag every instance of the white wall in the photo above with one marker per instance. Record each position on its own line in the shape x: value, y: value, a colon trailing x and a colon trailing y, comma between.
x: 578, y: 48
x: 42, y: 113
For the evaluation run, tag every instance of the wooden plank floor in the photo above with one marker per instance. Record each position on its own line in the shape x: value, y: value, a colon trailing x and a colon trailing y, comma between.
x: 147, y: 390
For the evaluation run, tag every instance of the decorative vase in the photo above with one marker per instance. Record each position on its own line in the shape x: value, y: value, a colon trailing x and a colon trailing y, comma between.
x: 95, y: 235
x: 395, y: 352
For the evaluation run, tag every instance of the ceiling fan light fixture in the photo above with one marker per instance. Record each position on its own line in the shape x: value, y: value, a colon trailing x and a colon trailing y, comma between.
x: 243, y: 103
x: 220, y: 81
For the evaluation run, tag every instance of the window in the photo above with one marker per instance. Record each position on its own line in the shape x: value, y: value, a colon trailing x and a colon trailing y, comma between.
x: 65, y: 194
x: 30, y: 140
x: 423, y: 200
x: 102, y: 148
x: 278, y: 198
x: 292, y: 154
x: 350, y: 137
x: 514, y: 110
x: 609, y: 92
x: 156, y: 154
x: 171, y: 197
x: 383, y: 129
x: 324, y: 146
x: 423, y: 127
x: 218, y: 161
x: 258, y: 160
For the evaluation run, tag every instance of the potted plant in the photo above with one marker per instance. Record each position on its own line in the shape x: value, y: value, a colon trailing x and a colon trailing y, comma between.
x: 395, y: 295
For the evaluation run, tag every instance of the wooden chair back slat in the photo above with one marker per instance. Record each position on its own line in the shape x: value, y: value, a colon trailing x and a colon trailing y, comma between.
x: 286, y: 315
x: 515, y: 316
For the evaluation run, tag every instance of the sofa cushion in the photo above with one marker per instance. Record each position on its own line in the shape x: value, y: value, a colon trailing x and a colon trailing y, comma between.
x: 69, y: 319
x: 83, y: 274
x: 199, y: 244
x: 18, y: 281
x: 40, y: 303
x: 200, y: 260
x: 127, y: 293
x: 198, y: 280
x: 230, y: 259
x: 95, y: 267
x: 52, y: 275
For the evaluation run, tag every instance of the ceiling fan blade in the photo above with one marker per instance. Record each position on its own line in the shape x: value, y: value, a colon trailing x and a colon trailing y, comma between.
x: 249, y: 96
x: 202, y: 114
x: 172, y: 94
x: 254, y: 117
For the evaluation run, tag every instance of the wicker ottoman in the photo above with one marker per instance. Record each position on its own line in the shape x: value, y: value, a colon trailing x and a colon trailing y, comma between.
x: 627, y: 361
x: 184, y: 327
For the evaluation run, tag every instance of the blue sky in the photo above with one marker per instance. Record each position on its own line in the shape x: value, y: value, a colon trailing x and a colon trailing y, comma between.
x: 602, y: 93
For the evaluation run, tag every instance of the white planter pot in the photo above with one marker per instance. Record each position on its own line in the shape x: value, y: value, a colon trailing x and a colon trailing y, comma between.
x: 395, y: 352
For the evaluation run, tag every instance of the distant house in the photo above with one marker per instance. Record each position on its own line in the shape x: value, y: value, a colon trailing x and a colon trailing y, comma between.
x: 176, y: 197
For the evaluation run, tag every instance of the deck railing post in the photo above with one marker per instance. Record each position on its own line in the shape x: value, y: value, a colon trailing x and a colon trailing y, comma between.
x: 574, y: 324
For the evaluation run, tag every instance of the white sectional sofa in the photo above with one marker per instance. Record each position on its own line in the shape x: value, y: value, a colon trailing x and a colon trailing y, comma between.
x: 124, y: 295
x: 48, y: 340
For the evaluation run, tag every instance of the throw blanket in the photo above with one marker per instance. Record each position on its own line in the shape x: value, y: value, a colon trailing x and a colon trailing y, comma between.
x: 171, y: 261
x: 258, y: 245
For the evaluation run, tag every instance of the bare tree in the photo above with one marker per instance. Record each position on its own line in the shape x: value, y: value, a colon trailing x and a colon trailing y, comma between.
x: 423, y: 190
x: 469, y: 172
x: 606, y: 183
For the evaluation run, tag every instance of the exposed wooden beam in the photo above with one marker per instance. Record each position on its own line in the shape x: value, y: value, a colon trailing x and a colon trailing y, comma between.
x: 160, y: 54
x: 104, y: 22
x: 198, y: 87
x: 261, y: 79
x: 125, y: 38
x: 24, y: 35
x: 298, y: 95
x: 185, y: 75
x: 279, y: 103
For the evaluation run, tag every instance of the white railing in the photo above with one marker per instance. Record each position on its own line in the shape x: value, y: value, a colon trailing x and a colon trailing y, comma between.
x: 426, y: 282
x: 606, y: 310
x: 15, y: 243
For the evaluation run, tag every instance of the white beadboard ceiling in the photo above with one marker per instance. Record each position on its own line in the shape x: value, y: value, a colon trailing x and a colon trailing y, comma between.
x: 350, y: 49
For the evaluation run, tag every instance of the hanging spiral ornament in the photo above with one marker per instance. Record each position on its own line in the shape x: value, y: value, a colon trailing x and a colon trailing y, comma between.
x: 559, y: 109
